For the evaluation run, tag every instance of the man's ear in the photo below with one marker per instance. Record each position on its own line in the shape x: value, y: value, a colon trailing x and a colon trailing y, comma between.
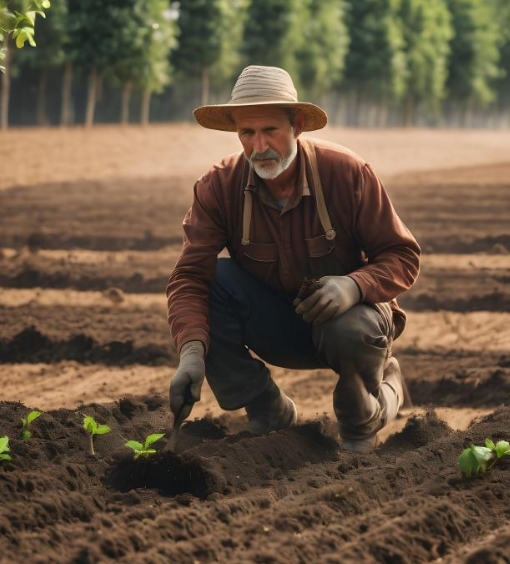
x: 299, y: 124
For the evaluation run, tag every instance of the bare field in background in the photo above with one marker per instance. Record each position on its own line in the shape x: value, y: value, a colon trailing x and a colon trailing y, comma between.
x: 90, y: 228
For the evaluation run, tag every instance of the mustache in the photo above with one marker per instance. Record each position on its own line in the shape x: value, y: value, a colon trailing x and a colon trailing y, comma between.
x: 267, y: 154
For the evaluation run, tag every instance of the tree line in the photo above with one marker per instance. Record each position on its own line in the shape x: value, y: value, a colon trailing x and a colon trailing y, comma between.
x: 368, y: 62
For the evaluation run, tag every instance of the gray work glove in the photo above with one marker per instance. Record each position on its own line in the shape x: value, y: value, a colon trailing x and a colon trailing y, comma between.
x: 187, y: 381
x: 335, y: 296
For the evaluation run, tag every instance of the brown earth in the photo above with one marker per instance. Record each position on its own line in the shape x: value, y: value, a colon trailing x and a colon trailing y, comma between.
x: 89, y: 232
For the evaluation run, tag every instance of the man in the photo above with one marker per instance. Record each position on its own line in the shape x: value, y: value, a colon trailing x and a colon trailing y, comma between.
x: 289, y: 210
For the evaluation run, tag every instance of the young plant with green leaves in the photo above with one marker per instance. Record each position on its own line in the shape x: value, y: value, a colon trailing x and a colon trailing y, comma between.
x: 93, y: 428
x: 476, y: 460
x: 4, y: 448
x: 20, y: 23
x: 26, y: 433
x: 143, y: 450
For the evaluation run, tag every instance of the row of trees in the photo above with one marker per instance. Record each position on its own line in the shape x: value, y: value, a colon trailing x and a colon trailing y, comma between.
x: 369, y: 62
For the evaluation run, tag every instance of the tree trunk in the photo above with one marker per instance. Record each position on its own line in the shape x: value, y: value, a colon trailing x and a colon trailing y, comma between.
x: 6, y: 87
x: 205, y: 86
x: 91, y: 98
x: 126, y: 98
x: 146, y: 107
x: 41, y: 98
x: 409, y: 115
x: 65, y: 110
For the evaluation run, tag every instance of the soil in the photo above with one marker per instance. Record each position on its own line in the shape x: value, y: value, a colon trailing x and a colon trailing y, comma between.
x: 90, y: 228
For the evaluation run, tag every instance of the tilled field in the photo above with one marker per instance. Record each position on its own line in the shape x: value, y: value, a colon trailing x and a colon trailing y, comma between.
x: 83, y: 267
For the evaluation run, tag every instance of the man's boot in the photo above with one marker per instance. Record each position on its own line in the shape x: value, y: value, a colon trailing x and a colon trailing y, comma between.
x: 390, y: 399
x: 272, y: 410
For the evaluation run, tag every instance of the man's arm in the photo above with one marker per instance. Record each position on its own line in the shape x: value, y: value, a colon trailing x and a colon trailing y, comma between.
x: 189, y: 285
x: 393, y: 253
x: 393, y: 258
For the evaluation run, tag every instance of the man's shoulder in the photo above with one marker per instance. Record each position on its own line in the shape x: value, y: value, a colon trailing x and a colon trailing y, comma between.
x: 223, y: 173
x: 336, y: 155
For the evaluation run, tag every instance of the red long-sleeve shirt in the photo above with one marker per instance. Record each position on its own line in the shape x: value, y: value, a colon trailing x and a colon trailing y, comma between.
x: 372, y: 245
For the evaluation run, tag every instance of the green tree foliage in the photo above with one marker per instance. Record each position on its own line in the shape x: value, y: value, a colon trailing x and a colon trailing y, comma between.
x: 206, y: 44
x: 475, y: 54
x: 501, y: 9
x: 17, y: 18
x: 323, y: 47
x: 50, y: 35
x: 126, y: 40
x: 155, y: 70
x: 375, y: 64
x: 145, y: 41
x: 272, y: 34
x: 427, y: 32
x: 49, y: 54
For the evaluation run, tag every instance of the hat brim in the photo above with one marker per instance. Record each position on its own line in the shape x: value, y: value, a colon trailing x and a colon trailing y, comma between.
x: 219, y: 116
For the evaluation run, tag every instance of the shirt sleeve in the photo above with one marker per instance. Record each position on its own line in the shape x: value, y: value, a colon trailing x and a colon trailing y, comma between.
x: 189, y: 285
x: 392, y: 252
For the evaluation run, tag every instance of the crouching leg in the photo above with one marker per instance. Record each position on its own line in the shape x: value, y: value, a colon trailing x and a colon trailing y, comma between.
x: 368, y: 395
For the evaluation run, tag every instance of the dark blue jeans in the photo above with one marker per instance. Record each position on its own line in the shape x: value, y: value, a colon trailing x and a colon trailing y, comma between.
x: 246, y: 314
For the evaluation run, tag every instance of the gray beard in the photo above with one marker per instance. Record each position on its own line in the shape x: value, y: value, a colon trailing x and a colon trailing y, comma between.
x: 272, y: 171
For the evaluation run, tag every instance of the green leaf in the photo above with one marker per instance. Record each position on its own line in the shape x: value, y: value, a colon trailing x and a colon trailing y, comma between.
x: 475, y: 460
x: 502, y: 448
x: 24, y: 422
x: 102, y: 430
x: 46, y: 4
x: 30, y: 16
x: 468, y: 463
x: 490, y: 444
x: 5, y: 457
x: 23, y: 35
x: 33, y: 415
x: 135, y: 445
x: 152, y: 439
x: 89, y: 424
x: 4, y: 444
x: 26, y: 435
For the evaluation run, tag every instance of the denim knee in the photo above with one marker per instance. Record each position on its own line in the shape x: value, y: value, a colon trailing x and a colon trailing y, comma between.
x: 354, y: 335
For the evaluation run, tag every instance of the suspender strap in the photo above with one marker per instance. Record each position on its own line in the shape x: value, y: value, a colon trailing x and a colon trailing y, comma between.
x: 247, y: 208
x: 319, y: 194
x: 322, y: 211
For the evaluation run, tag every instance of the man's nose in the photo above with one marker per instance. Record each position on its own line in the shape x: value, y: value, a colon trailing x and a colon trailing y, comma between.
x: 259, y: 143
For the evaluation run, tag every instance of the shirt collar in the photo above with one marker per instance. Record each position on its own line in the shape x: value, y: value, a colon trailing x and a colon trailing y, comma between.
x: 302, y: 187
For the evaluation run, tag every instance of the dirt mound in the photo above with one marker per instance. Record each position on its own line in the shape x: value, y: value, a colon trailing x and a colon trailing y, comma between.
x: 107, y: 334
x: 30, y: 345
x: 418, y: 432
x: 459, y: 380
x: 289, y: 496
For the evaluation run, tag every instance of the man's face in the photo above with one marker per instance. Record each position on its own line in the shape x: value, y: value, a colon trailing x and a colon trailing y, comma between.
x: 268, y: 138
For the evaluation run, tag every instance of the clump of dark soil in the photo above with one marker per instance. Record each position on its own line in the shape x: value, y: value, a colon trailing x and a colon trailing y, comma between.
x: 457, y: 379
x: 309, y: 286
x: 169, y: 473
x: 420, y: 430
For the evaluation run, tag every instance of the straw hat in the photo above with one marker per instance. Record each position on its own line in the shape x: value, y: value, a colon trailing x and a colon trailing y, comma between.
x: 260, y: 86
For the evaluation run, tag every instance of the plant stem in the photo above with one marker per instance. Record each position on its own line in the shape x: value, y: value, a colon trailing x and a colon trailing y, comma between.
x: 91, y: 438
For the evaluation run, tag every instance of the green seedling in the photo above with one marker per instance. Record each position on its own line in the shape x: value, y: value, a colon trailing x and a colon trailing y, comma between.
x: 93, y: 428
x: 4, y: 448
x: 143, y: 449
x: 26, y: 434
x: 476, y: 460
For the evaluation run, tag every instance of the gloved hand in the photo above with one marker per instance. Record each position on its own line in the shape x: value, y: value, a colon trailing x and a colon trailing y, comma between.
x: 336, y: 295
x: 187, y: 381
